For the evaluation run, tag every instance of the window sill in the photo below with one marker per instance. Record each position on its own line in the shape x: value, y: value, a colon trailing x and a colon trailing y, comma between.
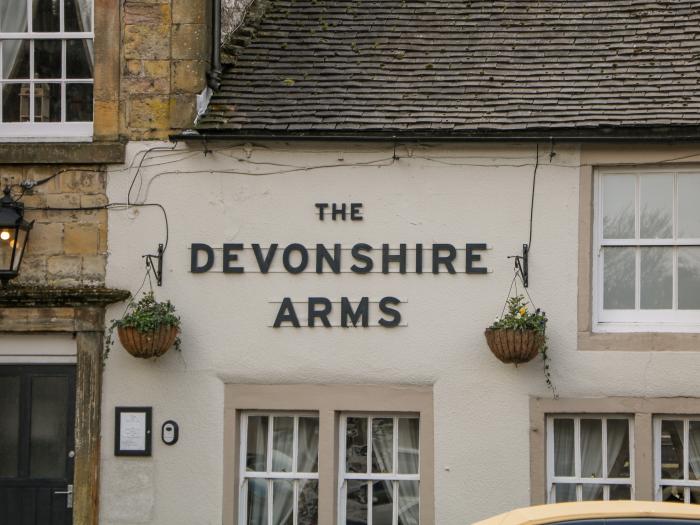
x: 639, y: 342
x: 62, y: 152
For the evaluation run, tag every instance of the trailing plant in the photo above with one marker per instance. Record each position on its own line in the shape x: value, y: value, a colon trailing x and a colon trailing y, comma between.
x: 146, y: 315
x: 516, y: 316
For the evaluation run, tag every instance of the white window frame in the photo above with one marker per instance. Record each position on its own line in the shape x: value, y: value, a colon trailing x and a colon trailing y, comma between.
x: 552, y: 480
x: 344, y: 477
x: 47, y: 131
x: 268, y: 474
x: 686, y: 483
x: 637, y: 320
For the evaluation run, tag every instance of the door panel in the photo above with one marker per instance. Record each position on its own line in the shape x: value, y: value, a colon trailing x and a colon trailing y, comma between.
x: 37, y: 418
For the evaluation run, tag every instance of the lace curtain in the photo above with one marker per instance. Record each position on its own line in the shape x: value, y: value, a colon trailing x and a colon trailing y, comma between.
x: 13, y: 18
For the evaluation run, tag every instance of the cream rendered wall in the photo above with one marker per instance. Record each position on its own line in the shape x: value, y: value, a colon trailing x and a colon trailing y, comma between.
x: 481, y: 405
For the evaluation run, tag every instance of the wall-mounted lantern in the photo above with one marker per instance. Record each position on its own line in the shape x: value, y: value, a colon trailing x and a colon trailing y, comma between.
x: 14, y: 233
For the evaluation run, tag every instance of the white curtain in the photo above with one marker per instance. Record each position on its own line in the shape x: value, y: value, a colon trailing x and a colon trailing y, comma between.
x: 13, y: 17
x: 618, y: 430
x: 564, y: 447
x: 409, y: 460
x: 382, y: 462
x: 282, y: 452
x: 84, y: 14
x: 591, y: 448
x: 694, y: 449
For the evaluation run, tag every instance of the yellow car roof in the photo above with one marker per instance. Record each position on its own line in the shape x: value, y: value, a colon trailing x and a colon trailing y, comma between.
x: 543, y: 514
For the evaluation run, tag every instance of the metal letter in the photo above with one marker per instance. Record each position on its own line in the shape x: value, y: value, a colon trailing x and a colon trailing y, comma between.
x: 286, y: 256
x: 366, y: 259
x: 229, y: 257
x: 392, y: 312
x: 322, y: 254
x: 388, y: 258
x: 194, y: 257
x: 286, y: 314
x: 321, y: 314
x: 472, y: 258
x: 444, y: 259
x: 264, y: 263
x: 346, y: 312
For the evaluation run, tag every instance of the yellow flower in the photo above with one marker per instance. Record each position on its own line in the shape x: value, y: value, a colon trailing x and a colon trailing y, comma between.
x: 523, y: 311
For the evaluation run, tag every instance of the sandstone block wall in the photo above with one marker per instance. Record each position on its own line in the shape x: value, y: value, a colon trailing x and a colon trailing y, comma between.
x: 65, y: 248
x: 164, y: 60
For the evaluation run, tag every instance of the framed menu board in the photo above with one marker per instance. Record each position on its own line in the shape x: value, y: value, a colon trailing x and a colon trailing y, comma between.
x: 132, y: 431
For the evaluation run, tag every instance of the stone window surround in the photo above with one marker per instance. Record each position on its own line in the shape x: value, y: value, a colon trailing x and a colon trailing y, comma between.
x: 641, y: 409
x: 105, y: 146
x: 614, y: 155
x: 328, y: 401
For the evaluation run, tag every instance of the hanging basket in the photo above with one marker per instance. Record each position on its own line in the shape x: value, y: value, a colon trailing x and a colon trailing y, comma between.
x: 514, y: 346
x: 147, y: 344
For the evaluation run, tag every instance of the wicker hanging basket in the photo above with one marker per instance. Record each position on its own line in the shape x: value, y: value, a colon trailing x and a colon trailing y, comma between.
x: 514, y: 346
x: 147, y: 344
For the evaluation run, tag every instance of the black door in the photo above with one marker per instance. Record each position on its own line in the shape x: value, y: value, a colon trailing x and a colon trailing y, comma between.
x: 37, y: 418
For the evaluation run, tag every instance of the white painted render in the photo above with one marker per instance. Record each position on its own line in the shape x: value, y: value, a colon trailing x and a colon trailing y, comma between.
x: 446, y: 194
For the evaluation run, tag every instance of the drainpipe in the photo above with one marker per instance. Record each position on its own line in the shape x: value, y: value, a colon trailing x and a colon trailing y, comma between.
x: 214, y: 74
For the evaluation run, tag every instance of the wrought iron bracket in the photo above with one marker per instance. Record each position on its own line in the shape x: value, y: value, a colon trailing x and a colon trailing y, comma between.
x: 157, y: 266
x: 521, y: 264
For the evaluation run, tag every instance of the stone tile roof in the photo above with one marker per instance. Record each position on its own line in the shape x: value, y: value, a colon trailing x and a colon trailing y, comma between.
x: 460, y: 68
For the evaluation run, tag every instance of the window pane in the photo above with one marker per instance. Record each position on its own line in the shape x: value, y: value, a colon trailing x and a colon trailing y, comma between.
x: 694, y: 450
x: 78, y: 58
x: 620, y: 492
x: 17, y: 23
x: 356, y: 506
x: 46, y: 15
x: 307, y: 513
x: 382, y: 444
x: 656, y: 206
x: 591, y: 448
x: 695, y: 495
x: 283, y: 502
x: 409, y: 456
x: 257, y: 502
x: 78, y: 15
x: 671, y: 449
x: 15, y: 59
x: 79, y: 102
x: 307, y: 459
x: 409, y: 502
x: 9, y: 425
x: 15, y: 103
x: 47, y: 59
x: 282, y: 443
x: 356, y: 444
x: 619, y: 278
x: 564, y: 447
x: 256, y: 453
x: 49, y: 433
x: 689, y: 278
x: 656, y: 278
x: 592, y: 493
x: 382, y: 502
x: 618, y: 449
x: 618, y: 206
x: 565, y: 492
x: 672, y: 494
x: 47, y: 102
x: 688, y: 209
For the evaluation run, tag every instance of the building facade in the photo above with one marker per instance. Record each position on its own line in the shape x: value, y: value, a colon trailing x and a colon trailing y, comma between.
x: 341, y: 221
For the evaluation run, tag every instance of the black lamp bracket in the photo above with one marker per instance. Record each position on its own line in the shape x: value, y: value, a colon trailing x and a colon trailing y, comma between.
x: 155, y: 264
x: 521, y: 264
